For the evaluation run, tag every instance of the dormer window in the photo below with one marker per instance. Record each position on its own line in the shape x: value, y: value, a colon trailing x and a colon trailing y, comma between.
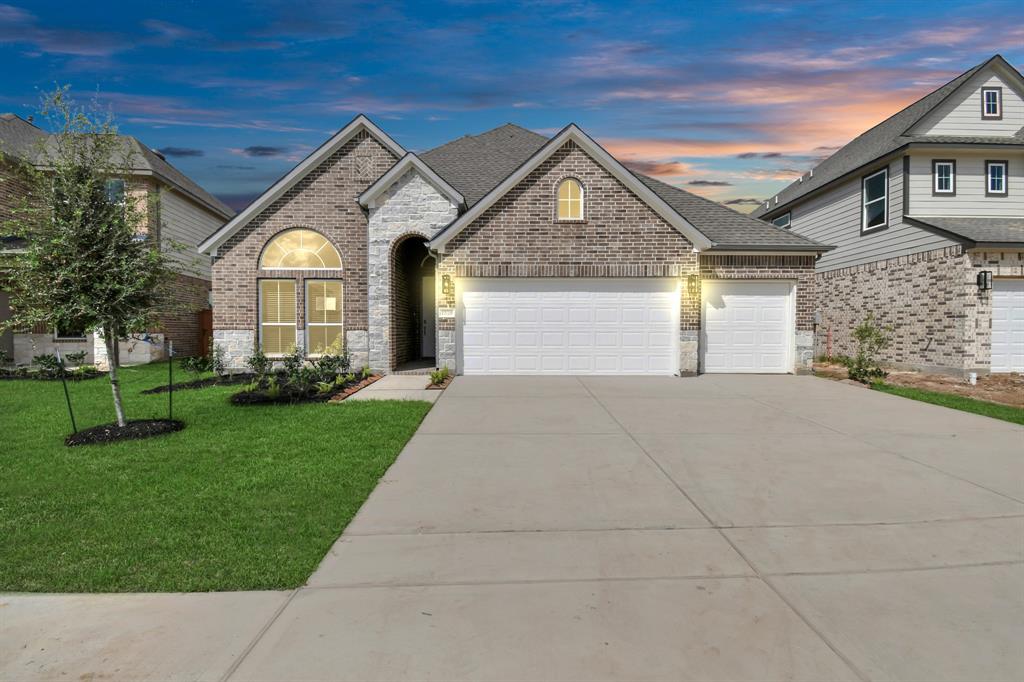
x: 782, y: 221
x: 992, y: 103
x: 570, y: 200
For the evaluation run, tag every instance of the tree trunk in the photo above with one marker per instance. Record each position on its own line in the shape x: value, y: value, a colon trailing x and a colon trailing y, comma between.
x: 113, y: 360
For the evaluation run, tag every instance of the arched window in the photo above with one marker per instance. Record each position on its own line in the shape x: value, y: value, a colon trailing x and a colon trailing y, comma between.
x: 570, y: 200
x: 300, y: 249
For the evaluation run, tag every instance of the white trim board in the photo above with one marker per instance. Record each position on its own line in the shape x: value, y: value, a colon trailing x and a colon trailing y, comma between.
x: 607, y: 161
x: 410, y: 160
x: 356, y: 125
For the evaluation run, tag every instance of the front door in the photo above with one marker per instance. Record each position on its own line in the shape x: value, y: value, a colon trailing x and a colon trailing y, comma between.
x: 428, y: 327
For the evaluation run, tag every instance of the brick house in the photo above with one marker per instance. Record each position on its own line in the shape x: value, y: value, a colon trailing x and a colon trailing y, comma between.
x: 176, y: 209
x: 926, y: 211
x: 507, y: 253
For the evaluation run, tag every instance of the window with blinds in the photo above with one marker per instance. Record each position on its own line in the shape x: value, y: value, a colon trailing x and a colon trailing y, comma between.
x: 277, y: 316
x: 323, y: 316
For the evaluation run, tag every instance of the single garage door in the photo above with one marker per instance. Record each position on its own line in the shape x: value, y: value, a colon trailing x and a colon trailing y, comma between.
x: 1008, y: 325
x: 748, y: 326
x: 569, y: 326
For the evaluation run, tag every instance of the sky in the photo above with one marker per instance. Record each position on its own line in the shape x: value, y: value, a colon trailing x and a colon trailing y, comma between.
x: 732, y: 100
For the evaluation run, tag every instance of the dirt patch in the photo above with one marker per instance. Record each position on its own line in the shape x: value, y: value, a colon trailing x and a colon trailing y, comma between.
x: 21, y: 374
x: 133, y: 430
x: 1005, y: 389
x: 229, y: 380
x: 443, y: 385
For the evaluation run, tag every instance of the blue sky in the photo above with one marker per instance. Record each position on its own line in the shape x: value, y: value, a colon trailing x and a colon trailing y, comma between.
x: 729, y: 99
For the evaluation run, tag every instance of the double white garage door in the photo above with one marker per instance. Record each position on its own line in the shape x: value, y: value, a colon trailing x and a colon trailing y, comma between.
x: 618, y: 326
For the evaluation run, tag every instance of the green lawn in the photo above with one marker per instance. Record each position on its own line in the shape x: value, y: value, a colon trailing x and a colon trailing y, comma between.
x: 957, y: 402
x: 243, y: 498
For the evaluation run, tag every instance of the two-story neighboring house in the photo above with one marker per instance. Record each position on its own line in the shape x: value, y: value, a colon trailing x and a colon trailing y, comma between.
x: 926, y: 211
x: 177, y: 210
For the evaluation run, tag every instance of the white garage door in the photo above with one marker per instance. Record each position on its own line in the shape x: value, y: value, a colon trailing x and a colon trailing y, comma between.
x: 1008, y: 325
x: 748, y: 326
x: 563, y: 326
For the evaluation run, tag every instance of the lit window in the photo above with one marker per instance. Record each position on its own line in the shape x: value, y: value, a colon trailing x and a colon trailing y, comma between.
x: 782, y: 221
x: 944, y: 177
x: 992, y: 103
x: 995, y: 178
x: 875, y: 200
x: 277, y: 316
x: 323, y: 316
x: 300, y: 249
x: 570, y: 200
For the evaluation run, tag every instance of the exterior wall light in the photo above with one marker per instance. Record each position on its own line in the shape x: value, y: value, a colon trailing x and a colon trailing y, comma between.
x: 447, y: 287
x: 985, y: 280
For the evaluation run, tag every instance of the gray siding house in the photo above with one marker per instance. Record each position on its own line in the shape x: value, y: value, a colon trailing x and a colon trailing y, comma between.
x: 926, y: 211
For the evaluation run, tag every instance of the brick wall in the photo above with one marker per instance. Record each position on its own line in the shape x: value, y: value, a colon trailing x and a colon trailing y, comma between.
x: 181, y: 323
x: 325, y: 200
x: 938, y: 318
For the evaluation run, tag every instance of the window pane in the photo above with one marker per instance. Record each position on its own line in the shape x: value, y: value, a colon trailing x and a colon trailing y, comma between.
x: 322, y: 337
x: 278, y: 339
x: 782, y: 221
x: 300, y: 249
x: 115, y: 190
x: 874, y: 214
x: 570, y: 200
x: 323, y: 302
x: 277, y: 301
x: 874, y: 187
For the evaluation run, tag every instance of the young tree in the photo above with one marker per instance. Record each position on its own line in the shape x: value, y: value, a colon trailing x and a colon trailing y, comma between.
x: 90, y: 260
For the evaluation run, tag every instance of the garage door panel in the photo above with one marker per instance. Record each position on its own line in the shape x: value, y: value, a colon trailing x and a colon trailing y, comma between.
x: 748, y: 326
x: 1007, y: 325
x: 570, y: 326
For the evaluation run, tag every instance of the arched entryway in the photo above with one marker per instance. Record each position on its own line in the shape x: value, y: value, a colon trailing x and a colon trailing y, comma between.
x: 413, y: 326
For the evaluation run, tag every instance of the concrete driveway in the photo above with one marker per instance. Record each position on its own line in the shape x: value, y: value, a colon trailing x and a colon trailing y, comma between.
x: 714, y: 528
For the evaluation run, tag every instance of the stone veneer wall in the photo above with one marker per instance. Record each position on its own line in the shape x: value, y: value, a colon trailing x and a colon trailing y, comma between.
x: 410, y: 207
x: 939, y: 319
x: 799, y: 269
x: 621, y: 236
x: 325, y: 200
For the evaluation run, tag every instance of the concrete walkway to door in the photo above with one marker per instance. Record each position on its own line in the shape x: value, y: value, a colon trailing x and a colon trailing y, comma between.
x: 713, y: 528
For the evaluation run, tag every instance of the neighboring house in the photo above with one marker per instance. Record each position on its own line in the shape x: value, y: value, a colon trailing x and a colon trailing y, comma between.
x: 507, y: 253
x: 926, y: 211
x: 177, y: 209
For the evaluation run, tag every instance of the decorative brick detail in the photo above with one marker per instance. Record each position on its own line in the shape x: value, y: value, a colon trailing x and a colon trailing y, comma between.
x: 325, y: 200
x: 939, y: 319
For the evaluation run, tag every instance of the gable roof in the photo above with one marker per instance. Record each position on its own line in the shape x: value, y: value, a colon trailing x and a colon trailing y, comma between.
x: 407, y: 162
x: 573, y: 133
x: 290, y: 179
x: 729, y: 229
x: 24, y: 140
x: 475, y: 164
x: 886, y: 137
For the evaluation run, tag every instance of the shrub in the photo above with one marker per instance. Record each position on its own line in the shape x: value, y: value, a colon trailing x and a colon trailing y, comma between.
x: 871, y: 340
x: 291, y: 364
x: 5, y: 358
x: 196, y: 365
x: 438, y: 376
x: 76, y: 358
x: 47, y: 363
x: 218, y: 359
x: 366, y: 373
x: 260, y: 366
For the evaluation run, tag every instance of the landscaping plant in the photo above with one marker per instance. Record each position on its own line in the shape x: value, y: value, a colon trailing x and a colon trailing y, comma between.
x: 871, y: 339
x: 439, y: 376
x: 90, y: 259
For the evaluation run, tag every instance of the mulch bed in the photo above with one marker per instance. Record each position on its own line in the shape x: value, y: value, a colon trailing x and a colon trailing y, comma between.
x: 34, y: 375
x: 229, y: 380
x: 443, y: 385
x: 286, y: 397
x: 354, y: 388
x: 1006, y: 389
x: 133, y: 430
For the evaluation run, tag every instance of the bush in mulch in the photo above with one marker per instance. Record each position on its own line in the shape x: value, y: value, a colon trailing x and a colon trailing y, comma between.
x: 226, y: 380
x: 133, y: 430
x: 298, y: 380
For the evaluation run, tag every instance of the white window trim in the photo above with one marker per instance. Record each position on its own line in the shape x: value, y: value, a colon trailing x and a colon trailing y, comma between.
x: 952, y: 176
x: 260, y: 323
x: 864, y: 204
x: 988, y: 178
x: 789, y: 220
x: 984, y: 103
x: 323, y: 324
x: 558, y: 201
